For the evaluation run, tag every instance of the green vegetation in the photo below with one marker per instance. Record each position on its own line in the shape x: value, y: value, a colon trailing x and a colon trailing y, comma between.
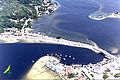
x: 1, y: 30
x: 16, y: 12
x: 92, y: 75
x: 105, y: 76
x: 117, y: 75
x: 29, y: 24
x: 71, y: 75
x: 34, y: 2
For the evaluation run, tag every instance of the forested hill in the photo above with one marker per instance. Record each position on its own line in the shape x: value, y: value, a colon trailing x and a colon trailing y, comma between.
x: 35, y: 2
x: 14, y: 13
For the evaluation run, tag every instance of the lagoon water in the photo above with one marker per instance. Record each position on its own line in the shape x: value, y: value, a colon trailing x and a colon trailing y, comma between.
x: 20, y: 57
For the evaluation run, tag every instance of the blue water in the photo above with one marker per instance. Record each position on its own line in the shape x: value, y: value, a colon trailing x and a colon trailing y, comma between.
x: 71, y: 21
x: 20, y: 57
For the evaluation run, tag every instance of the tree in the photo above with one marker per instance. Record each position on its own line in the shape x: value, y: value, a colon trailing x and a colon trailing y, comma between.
x: 29, y: 24
x: 105, y: 76
x: 71, y: 75
x: 92, y: 75
x: 1, y: 30
x: 117, y: 75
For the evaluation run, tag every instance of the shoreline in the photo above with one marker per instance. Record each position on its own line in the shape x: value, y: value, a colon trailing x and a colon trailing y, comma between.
x: 39, y: 71
x: 115, y: 15
x: 40, y: 13
x: 53, y: 64
x: 62, y: 71
x: 9, y: 37
x: 103, y: 16
x: 26, y: 34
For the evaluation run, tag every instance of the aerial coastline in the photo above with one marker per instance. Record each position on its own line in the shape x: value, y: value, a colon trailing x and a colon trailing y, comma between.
x: 26, y: 34
x: 100, y: 15
x: 50, y: 65
x: 106, y: 69
x: 12, y: 35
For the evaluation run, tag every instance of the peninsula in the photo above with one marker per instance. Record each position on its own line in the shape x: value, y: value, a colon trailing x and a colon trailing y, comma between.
x: 105, y: 16
x: 51, y: 68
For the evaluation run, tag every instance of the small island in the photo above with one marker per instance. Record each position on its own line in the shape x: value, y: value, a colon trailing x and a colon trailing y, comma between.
x: 105, y: 16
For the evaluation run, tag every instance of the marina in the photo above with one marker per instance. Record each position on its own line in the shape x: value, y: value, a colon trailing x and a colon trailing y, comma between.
x: 109, y: 67
x: 110, y: 64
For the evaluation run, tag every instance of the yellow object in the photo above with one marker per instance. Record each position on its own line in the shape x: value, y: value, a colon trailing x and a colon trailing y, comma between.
x: 7, y: 70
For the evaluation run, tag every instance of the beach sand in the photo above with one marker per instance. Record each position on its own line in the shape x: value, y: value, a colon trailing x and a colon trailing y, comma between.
x: 8, y: 40
x: 11, y: 40
x: 40, y: 72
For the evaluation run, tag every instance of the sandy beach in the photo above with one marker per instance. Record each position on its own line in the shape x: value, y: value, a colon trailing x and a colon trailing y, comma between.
x: 39, y: 71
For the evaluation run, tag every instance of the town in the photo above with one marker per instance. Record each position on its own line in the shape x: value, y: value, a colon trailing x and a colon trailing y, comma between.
x: 106, y: 69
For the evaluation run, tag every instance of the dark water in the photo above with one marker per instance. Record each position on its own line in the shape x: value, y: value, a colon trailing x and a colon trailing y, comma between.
x: 20, y: 57
x: 71, y: 21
